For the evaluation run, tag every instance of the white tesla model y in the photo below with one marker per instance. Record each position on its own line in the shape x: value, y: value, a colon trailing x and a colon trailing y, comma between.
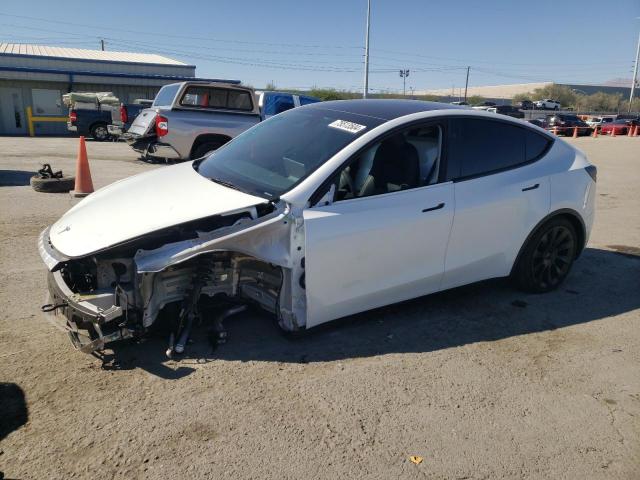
x: 321, y: 212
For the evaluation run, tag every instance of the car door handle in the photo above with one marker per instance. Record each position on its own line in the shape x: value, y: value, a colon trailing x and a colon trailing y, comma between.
x: 437, y: 207
x: 532, y: 187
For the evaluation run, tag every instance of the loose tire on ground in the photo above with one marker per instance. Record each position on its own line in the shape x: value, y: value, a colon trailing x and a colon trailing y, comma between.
x: 52, y: 185
x: 547, y: 257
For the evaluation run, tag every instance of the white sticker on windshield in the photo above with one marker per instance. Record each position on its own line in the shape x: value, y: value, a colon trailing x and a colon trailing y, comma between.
x: 347, y: 126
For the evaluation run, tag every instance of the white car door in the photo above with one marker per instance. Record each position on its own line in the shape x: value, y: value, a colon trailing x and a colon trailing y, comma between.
x: 363, y: 252
x: 500, y: 196
x: 368, y: 252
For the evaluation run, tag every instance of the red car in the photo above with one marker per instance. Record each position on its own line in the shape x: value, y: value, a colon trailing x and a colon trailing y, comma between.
x: 621, y: 126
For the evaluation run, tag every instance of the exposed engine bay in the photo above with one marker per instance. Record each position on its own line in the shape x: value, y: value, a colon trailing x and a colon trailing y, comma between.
x: 249, y: 257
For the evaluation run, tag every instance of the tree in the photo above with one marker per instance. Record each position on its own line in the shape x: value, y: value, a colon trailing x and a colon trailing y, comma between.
x: 271, y: 86
x: 475, y: 99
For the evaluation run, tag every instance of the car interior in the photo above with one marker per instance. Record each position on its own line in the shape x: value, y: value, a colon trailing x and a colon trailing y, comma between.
x: 408, y: 159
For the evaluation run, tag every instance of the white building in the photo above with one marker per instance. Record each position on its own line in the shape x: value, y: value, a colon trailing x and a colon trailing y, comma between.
x: 37, y: 76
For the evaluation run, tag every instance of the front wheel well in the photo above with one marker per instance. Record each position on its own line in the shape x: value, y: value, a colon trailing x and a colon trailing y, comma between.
x: 566, y: 213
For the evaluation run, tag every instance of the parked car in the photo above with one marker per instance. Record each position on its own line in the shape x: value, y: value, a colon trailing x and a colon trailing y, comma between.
x: 321, y: 212
x: 525, y: 105
x: 272, y: 103
x: 122, y: 118
x: 187, y: 120
x: 506, y: 110
x: 462, y: 103
x: 593, y: 121
x: 484, y: 105
x: 547, y: 104
x: 565, y: 124
x: 539, y: 122
x: 620, y: 126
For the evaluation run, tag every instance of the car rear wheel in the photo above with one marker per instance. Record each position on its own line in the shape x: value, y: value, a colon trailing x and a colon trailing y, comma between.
x: 205, y: 149
x: 547, y: 257
x: 99, y: 132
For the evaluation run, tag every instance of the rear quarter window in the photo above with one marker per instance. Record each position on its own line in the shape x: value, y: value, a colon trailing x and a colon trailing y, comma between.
x: 535, y: 145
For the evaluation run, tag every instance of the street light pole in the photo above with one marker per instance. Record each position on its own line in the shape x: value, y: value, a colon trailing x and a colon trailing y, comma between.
x: 365, y: 92
x: 466, y: 85
x: 404, y: 74
x: 634, y: 79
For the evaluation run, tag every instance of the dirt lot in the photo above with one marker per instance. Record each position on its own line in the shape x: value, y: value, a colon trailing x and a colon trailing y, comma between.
x: 483, y: 382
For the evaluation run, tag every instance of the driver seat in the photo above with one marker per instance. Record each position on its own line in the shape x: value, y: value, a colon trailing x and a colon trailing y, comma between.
x: 396, y: 166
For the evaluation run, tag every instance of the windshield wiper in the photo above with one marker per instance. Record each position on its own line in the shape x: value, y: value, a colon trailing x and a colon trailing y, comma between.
x: 227, y: 184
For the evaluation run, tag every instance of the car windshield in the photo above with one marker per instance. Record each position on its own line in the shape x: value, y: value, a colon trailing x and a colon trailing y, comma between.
x: 275, y: 155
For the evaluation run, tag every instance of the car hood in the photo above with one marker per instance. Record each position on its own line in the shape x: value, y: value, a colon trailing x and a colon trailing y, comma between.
x: 143, y: 204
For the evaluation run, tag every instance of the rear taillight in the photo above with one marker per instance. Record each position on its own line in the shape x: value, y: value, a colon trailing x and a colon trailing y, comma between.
x: 592, y: 171
x: 162, y: 126
x: 73, y: 117
x: 123, y: 114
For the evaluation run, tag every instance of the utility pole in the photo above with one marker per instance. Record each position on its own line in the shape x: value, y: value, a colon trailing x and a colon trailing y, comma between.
x: 102, y: 44
x: 365, y: 92
x: 404, y: 74
x: 466, y: 85
x: 634, y: 79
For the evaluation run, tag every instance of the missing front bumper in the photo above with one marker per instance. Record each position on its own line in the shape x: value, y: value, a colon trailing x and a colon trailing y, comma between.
x: 91, y: 321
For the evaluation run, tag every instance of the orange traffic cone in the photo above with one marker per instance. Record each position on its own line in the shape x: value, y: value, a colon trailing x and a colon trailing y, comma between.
x: 635, y: 130
x: 84, y: 184
x: 555, y: 130
x: 613, y: 131
x: 630, y: 131
x: 595, y: 132
x: 575, y: 132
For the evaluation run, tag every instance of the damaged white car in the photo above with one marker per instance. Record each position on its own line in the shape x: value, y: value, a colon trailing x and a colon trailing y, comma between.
x: 322, y: 212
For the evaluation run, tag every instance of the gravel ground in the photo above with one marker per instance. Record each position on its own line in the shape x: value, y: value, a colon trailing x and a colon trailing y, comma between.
x: 483, y: 382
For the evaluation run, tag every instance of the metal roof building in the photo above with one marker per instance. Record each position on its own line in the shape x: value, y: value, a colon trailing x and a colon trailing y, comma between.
x: 33, y: 79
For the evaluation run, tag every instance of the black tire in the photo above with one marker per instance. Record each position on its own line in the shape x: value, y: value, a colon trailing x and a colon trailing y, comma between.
x: 52, y: 185
x: 99, y: 132
x: 547, y: 257
x: 204, y: 149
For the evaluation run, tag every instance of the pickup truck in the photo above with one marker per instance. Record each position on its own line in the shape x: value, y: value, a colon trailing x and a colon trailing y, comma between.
x: 190, y: 119
x: 90, y: 113
x: 271, y: 103
x: 122, y: 118
x: 90, y: 122
x: 187, y: 120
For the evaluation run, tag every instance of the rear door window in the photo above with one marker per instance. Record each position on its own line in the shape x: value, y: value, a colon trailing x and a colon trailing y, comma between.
x: 480, y: 146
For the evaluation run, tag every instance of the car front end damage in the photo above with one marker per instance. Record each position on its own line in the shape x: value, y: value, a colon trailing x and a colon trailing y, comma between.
x: 250, y: 257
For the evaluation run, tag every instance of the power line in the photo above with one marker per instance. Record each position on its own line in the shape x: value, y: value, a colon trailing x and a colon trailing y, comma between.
x: 165, y: 34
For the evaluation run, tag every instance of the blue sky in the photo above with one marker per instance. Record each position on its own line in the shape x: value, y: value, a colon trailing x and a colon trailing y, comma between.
x: 303, y: 43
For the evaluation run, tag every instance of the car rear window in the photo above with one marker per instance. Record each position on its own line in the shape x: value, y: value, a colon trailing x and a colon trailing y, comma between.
x: 206, y: 97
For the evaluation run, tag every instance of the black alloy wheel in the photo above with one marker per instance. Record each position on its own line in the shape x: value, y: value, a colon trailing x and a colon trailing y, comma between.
x: 547, y: 257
